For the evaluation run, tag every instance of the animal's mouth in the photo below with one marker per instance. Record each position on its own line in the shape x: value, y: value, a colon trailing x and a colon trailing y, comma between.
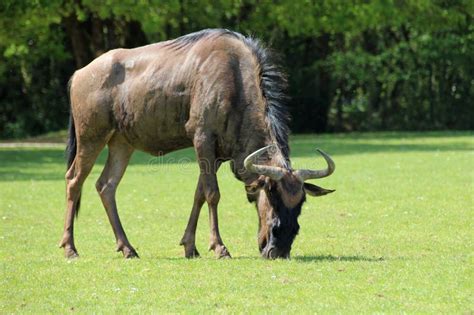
x: 272, y: 252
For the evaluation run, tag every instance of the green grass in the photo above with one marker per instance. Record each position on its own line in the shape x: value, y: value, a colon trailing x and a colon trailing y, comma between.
x: 395, y: 237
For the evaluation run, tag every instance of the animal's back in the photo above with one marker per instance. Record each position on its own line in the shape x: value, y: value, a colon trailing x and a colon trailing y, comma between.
x: 149, y: 94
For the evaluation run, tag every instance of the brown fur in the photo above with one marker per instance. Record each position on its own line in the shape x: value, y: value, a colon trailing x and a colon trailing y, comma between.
x: 159, y: 99
x: 202, y: 90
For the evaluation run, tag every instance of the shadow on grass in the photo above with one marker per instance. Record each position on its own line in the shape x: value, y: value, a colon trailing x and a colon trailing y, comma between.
x: 302, y: 259
x: 19, y: 164
x: 49, y: 164
x: 331, y: 258
x: 391, y: 135
x: 31, y: 164
x: 320, y: 258
x: 400, y: 142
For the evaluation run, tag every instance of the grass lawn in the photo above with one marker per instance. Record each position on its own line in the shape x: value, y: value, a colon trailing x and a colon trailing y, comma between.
x: 396, y: 236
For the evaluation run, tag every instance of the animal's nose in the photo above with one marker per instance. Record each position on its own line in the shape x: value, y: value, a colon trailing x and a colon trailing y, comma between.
x: 274, y: 253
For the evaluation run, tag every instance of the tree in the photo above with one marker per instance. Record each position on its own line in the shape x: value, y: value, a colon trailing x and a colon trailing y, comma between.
x: 370, y: 65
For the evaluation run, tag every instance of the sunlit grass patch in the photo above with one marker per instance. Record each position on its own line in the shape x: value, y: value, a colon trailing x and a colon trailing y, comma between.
x: 396, y: 236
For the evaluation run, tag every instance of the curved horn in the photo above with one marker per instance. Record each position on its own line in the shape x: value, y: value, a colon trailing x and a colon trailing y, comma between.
x: 312, y: 174
x: 274, y: 172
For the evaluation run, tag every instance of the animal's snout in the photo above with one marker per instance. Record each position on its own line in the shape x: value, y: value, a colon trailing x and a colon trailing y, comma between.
x: 272, y: 252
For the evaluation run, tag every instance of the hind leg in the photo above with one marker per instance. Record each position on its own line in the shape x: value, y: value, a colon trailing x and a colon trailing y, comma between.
x: 119, y: 156
x: 75, y: 177
x: 189, y: 237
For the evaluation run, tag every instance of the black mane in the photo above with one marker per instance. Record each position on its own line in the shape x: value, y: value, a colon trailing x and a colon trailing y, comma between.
x: 274, y: 85
x: 192, y: 38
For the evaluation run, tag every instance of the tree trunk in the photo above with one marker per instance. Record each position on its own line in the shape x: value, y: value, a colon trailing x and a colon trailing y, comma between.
x: 75, y: 32
x: 95, y: 36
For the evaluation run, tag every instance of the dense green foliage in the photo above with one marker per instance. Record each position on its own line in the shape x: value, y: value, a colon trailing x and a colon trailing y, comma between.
x: 395, y: 237
x: 363, y: 65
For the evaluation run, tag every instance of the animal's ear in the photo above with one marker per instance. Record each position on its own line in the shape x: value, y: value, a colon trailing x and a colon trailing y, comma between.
x: 316, y: 191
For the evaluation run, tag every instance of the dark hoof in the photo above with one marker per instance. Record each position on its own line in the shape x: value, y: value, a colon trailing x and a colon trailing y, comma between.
x: 191, y: 253
x: 190, y: 250
x: 130, y: 254
x: 71, y: 253
x: 222, y: 253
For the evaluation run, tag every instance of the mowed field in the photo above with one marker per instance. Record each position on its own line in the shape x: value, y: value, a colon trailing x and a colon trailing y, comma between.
x: 395, y: 237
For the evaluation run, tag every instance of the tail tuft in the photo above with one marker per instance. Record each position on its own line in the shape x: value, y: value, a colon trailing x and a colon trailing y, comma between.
x: 71, y: 143
x: 71, y: 148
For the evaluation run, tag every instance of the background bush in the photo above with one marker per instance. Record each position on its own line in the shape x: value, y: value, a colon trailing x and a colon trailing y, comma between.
x: 367, y: 65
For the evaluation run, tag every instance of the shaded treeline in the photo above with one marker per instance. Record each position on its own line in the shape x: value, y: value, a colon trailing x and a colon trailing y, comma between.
x: 353, y: 65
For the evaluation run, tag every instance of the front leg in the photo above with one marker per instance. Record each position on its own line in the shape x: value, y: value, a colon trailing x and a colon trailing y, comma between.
x: 209, y: 164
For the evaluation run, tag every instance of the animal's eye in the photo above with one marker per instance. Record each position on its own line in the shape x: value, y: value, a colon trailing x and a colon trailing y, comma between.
x: 251, y: 189
x: 275, y: 224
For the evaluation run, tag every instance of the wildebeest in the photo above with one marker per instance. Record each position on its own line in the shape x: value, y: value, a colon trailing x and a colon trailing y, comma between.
x: 216, y: 90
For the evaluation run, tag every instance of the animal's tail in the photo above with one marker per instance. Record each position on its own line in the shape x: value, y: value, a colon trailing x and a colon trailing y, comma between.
x: 71, y: 147
x: 71, y: 143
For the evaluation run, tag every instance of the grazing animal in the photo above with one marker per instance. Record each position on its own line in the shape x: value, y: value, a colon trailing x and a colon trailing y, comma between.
x: 215, y: 90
